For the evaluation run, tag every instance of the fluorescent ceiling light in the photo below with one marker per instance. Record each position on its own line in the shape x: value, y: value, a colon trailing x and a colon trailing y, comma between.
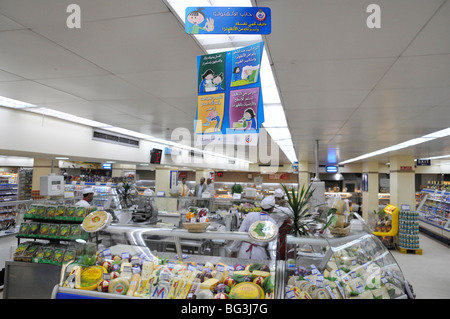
x: 412, y: 142
x: 15, y: 104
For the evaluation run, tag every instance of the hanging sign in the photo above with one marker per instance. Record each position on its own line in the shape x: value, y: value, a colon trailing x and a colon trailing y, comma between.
x: 228, y: 20
x: 229, y: 103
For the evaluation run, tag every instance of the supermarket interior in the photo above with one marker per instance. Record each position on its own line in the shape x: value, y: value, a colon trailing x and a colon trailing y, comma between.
x: 242, y: 149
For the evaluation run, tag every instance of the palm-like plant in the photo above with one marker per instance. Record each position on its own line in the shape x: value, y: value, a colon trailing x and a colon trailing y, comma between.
x: 300, y: 214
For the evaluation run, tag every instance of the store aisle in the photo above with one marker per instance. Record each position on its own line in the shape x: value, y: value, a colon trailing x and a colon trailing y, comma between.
x: 427, y: 273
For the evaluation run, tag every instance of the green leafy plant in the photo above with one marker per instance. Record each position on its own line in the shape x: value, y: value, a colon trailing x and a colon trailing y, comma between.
x: 300, y: 214
x: 127, y: 193
x: 237, y: 188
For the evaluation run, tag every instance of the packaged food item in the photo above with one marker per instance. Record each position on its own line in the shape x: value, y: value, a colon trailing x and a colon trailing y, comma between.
x: 134, y: 282
x: 60, y: 211
x: 34, y: 228
x: 80, y: 212
x: 40, y: 211
x: 75, y: 231
x: 247, y: 290
x: 21, y: 249
x: 118, y: 286
x: 48, y: 253
x: 90, y: 277
x: 53, y: 229
x: 69, y: 255
x: 31, y: 250
x: 51, y: 211
x: 58, y: 255
x: 64, y: 230
x: 32, y: 210
x: 43, y: 230
x: 24, y: 228
x: 70, y: 211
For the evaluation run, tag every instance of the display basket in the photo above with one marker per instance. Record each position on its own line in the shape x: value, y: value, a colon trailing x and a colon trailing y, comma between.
x: 196, y: 227
x: 340, y: 231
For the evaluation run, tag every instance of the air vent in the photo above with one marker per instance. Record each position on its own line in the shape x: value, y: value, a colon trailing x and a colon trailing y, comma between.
x: 115, y: 138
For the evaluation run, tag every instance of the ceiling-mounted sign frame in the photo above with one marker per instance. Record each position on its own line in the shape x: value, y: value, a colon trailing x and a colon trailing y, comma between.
x: 228, y: 20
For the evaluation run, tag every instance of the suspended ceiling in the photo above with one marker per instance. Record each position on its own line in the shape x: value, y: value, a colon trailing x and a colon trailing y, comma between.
x: 131, y: 65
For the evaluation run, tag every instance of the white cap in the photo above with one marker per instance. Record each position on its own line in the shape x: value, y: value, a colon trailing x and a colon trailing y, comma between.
x: 268, y: 202
x: 87, y: 190
x: 278, y: 193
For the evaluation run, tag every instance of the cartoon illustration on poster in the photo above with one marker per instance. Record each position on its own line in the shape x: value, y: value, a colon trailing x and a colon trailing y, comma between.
x: 195, y: 18
x: 243, y: 109
x: 227, y: 20
x: 211, y: 71
x: 246, y: 63
x: 210, y: 112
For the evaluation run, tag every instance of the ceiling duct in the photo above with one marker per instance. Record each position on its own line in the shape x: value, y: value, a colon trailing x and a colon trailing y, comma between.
x: 109, y: 137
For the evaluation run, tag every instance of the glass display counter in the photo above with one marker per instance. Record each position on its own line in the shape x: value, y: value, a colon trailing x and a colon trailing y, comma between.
x: 169, y: 263
x: 357, y: 266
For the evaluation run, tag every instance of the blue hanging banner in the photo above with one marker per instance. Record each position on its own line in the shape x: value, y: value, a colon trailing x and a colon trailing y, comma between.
x: 228, y: 20
x: 229, y: 100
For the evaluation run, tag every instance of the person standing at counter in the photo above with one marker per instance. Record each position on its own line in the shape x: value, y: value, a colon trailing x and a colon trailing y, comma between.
x: 200, y: 188
x: 88, y: 197
x: 210, y: 187
x: 183, y: 188
x: 254, y: 250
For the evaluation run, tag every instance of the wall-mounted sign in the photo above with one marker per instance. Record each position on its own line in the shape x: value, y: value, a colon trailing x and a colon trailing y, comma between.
x: 423, y: 162
x: 228, y: 20
x: 406, y: 168
x: 106, y: 166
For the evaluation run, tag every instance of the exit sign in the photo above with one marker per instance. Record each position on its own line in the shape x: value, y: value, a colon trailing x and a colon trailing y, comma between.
x: 423, y: 162
x: 406, y: 168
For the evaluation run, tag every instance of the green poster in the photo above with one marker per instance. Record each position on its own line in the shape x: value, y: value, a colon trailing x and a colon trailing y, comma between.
x: 211, y: 74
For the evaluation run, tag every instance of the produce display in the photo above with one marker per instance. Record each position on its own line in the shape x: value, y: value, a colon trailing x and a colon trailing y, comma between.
x: 156, y: 278
x: 356, y: 272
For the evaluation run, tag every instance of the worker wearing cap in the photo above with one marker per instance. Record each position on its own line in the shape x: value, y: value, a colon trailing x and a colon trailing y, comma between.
x: 254, y: 250
x: 281, y: 215
x: 88, y: 196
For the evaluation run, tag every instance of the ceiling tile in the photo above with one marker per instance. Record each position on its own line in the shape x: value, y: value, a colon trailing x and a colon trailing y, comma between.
x: 31, y: 56
x: 34, y: 93
x: 105, y: 87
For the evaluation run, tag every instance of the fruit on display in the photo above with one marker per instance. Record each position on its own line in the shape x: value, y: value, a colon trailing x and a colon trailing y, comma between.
x: 156, y: 278
x: 197, y: 215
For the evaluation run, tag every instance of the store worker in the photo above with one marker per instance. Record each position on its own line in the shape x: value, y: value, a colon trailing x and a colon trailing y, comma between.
x: 183, y: 188
x: 210, y: 187
x: 254, y: 250
x: 88, y: 196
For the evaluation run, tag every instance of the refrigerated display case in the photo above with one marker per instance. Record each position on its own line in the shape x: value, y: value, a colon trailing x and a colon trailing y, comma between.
x: 169, y: 263
x: 357, y: 266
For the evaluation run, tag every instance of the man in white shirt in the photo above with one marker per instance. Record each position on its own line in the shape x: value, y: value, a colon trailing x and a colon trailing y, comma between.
x: 210, y: 187
x: 183, y: 188
x: 88, y: 196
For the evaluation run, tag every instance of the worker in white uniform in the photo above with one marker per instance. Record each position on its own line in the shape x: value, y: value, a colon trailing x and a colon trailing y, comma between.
x: 254, y: 250
x: 88, y: 196
x: 280, y: 211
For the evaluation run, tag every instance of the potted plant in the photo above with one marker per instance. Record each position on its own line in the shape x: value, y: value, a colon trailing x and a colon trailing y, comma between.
x: 126, y: 192
x: 300, y: 211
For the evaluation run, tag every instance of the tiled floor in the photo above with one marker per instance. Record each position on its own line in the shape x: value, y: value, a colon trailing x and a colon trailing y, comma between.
x: 427, y: 273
